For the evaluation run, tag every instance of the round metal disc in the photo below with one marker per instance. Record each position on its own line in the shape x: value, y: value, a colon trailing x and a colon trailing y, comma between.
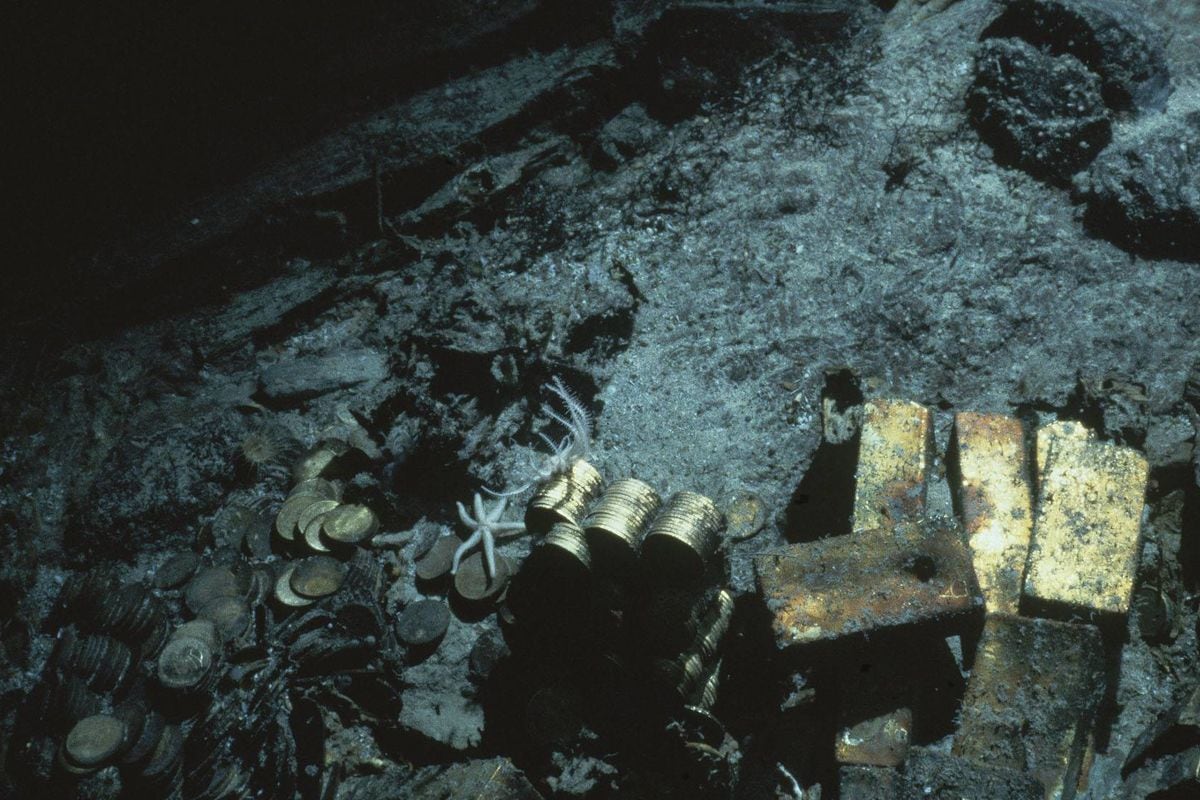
x: 293, y: 507
x: 325, y: 489
x: 423, y: 622
x: 439, y: 559
x: 230, y: 615
x: 350, y: 524
x: 166, y: 753
x: 203, y: 629
x: 472, y: 581
x: 312, y: 534
x: 95, y: 740
x: 284, y: 593
x: 184, y: 662
x: 210, y: 583
x: 745, y: 516
x: 175, y: 571
x: 313, y: 511
x: 318, y: 576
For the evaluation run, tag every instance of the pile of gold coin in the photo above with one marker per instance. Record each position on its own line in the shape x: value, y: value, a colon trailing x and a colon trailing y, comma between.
x: 683, y: 538
x: 313, y: 514
x: 615, y: 524
x: 695, y: 673
x: 564, y: 497
x: 302, y: 583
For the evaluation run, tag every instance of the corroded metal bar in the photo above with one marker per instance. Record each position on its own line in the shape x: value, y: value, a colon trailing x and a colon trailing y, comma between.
x: 996, y: 503
x: 1087, y: 531
x: 894, y: 457
x: 1032, y: 697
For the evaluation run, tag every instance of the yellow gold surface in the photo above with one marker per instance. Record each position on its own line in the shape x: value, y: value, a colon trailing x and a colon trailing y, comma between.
x: 996, y: 504
x: 1086, y: 534
x: 1031, y: 699
x: 894, y: 456
x: 1061, y: 435
x: 881, y: 741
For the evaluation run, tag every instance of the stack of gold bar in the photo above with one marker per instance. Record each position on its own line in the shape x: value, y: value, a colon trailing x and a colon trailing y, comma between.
x: 1051, y: 562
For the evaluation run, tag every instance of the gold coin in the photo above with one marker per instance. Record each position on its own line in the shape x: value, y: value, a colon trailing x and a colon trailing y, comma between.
x: 439, y: 559
x: 313, y: 463
x: 230, y: 615
x: 203, y: 629
x: 312, y: 534
x: 95, y: 739
x: 317, y: 576
x: 218, y: 581
x: 313, y: 511
x: 184, y: 662
x: 350, y: 524
x: 284, y: 593
x: 320, y: 487
x: 293, y: 507
x: 472, y: 581
x: 745, y: 516
x: 175, y: 571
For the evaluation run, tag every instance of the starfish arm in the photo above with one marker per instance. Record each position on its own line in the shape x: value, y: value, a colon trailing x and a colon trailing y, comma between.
x: 507, y: 528
x: 480, y: 512
x: 489, y: 552
x: 465, y: 517
x: 498, y: 511
x: 464, y: 548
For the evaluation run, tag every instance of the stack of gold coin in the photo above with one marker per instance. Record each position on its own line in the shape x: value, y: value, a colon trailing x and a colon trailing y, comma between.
x: 615, y: 524
x: 564, y: 497
x: 569, y: 542
x: 683, y: 539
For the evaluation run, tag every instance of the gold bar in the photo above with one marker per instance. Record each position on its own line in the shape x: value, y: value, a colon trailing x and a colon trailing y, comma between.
x: 1060, y: 434
x: 1087, y: 531
x: 880, y: 741
x: 915, y: 575
x: 1031, y: 699
x: 894, y: 457
x: 996, y: 503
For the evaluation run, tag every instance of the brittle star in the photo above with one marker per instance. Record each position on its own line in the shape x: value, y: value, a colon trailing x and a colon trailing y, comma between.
x: 485, y: 526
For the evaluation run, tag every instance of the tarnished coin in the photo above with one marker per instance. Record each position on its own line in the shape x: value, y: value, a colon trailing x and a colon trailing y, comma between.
x: 203, y: 629
x: 283, y: 590
x: 312, y: 534
x: 184, y: 662
x: 423, y: 622
x: 230, y: 615
x: 439, y: 559
x: 318, y: 576
x: 95, y: 740
x: 313, y: 511
x: 230, y: 524
x: 167, y: 753
x: 317, y: 460
x: 256, y: 537
x: 745, y: 516
x: 175, y: 571
x: 325, y: 489
x: 289, y: 515
x: 212, y: 582
x: 350, y: 524
x: 473, y: 583
x: 152, y: 730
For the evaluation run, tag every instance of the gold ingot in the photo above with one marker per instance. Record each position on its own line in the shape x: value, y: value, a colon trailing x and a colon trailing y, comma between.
x: 563, y: 497
x: 615, y: 524
x: 284, y: 594
x: 1032, y: 698
x: 683, y: 538
x: 1060, y: 435
x: 880, y: 741
x: 1087, y: 532
x: 996, y: 503
x: 895, y: 453
x: 350, y: 524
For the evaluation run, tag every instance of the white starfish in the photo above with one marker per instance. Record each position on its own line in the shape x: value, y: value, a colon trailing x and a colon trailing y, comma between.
x: 485, y: 526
